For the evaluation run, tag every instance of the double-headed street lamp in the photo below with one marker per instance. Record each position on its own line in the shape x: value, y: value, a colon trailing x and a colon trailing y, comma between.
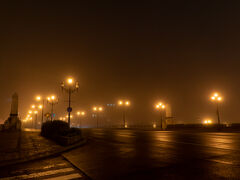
x: 161, y: 107
x: 71, y: 116
x: 62, y: 118
x: 52, y: 101
x: 124, y: 104
x: 207, y: 122
x: 97, y: 110
x: 80, y: 113
x: 217, y: 99
x: 70, y: 87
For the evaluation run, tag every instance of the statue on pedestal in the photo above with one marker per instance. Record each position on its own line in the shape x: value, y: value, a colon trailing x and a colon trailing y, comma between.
x: 13, y: 123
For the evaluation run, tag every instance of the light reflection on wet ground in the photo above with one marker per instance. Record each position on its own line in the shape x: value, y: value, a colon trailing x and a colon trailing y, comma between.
x: 127, y: 151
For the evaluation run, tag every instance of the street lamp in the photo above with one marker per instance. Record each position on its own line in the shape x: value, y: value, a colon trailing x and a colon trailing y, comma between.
x: 67, y: 116
x: 41, y: 108
x: 31, y: 119
x: 97, y: 110
x: 36, y: 118
x: 33, y: 107
x: 70, y: 115
x: 70, y: 87
x: 217, y: 99
x: 39, y: 98
x: 52, y: 100
x: 80, y: 113
x: 154, y: 125
x: 207, y: 121
x: 124, y: 104
x: 160, y: 106
x: 30, y: 112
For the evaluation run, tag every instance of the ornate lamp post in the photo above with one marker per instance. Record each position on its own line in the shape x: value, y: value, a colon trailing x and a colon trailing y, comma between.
x: 80, y: 113
x: 217, y: 99
x: 70, y: 87
x: 124, y: 104
x: 52, y: 101
x: 97, y: 110
x: 161, y: 107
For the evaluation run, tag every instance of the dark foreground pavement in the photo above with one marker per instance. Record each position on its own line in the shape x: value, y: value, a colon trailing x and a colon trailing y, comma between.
x: 133, y: 154
x: 50, y: 169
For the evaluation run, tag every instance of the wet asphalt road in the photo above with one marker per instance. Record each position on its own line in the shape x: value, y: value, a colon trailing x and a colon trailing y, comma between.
x: 135, y: 154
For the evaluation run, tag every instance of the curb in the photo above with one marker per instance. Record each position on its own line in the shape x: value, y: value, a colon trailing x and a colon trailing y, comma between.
x: 43, y: 156
x: 76, y: 167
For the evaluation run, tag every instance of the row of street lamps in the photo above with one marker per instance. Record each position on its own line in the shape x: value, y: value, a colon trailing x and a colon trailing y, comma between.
x: 70, y: 86
x: 52, y: 100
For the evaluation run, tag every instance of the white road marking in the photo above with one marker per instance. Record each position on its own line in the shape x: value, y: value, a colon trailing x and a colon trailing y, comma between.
x: 45, y: 168
x: 66, y: 177
x: 57, y: 165
x: 39, y: 174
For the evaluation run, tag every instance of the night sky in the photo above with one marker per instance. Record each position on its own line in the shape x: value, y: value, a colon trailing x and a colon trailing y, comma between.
x: 179, y: 52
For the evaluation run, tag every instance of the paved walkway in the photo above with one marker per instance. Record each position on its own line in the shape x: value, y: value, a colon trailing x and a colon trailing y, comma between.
x: 24, y: 145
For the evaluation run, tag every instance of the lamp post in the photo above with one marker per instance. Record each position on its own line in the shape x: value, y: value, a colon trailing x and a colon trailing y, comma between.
x: 161, y: 107
x: 33, y: 107
x: 41, y: 108
x: 217, y: 99
x: 124, y: 104
x: 80, y: 113
x: 67, y: 116
x: 36, y: 118
x: 39, y: 98
x: 52, y: 101
x: 31, y: 119
x: 70, y: 87
x: 97, y: 110
x: 29, y: 116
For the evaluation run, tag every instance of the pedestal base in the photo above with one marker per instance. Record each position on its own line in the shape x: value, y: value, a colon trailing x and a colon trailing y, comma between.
x: 13, y: 123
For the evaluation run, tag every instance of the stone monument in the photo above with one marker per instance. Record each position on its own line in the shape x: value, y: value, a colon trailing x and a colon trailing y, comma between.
x: 13, y: 123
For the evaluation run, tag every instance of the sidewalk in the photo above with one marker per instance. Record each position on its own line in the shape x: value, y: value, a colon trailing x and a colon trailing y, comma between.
x: 17, y: 147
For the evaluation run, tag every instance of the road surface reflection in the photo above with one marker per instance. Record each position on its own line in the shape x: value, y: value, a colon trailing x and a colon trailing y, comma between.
x: 141, y: 154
